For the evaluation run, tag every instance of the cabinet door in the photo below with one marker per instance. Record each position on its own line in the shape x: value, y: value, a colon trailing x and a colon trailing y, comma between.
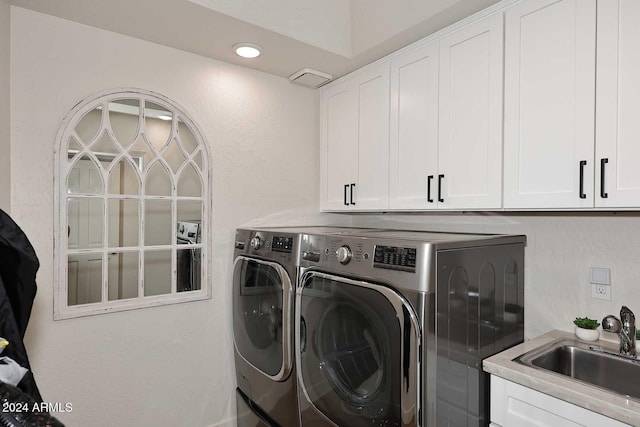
x: 338, y: 145
x: 515, y: 405
x: 618, y: 104
x: 470, y: 135
x: 413, y: 153
x: 371, y: 191
x: 549, y: 104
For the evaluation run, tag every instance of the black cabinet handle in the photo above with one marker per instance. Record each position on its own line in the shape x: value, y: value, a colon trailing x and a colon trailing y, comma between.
x: 346, y: 187
x: 353, y: 186
x: 429, y: 178
x: 440, y: 178
x: 583, y: 163
x: 603, y: 162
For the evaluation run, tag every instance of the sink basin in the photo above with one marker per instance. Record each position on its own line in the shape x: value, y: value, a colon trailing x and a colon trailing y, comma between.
x: 587, y: 363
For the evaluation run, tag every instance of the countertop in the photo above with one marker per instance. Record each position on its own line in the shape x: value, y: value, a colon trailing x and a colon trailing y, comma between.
x: 593, y: 398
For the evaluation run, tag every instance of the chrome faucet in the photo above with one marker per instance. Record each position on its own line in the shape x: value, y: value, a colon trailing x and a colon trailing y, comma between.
x: 625, y: 327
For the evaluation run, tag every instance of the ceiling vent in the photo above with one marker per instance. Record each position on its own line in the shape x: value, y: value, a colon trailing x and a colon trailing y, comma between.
x: 310, y: 78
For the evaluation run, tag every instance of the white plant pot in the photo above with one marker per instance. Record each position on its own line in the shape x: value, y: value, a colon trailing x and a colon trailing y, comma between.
x: 587, y: 334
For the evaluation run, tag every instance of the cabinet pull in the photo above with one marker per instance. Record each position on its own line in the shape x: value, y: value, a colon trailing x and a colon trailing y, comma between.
x: 440, y: 178
x: 353, y: 186
x: 429, y: 178
x: 583, y: 163
x: 603, y: 162
x: 346, y: 187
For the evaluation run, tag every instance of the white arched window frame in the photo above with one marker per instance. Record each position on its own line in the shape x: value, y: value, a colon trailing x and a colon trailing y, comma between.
x: 70, y: 148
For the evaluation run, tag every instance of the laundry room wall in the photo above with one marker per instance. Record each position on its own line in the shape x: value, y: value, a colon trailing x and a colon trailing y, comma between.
x: 561, y: 248
x: 5, y: 146
x: 170, y: 365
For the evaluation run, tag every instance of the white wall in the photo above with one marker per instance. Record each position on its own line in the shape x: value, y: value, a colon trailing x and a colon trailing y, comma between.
x: 376, y: 22
x: 560, y: 250
x: 170, y: 365
x: 325, y: 24
x: 5, y: 146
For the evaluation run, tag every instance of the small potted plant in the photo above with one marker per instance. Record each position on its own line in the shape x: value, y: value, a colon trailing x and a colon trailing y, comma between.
x: 587, y: 329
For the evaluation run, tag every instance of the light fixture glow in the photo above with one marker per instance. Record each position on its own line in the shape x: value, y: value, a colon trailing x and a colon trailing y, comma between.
x: 164, y: 117
x: 247, y: 50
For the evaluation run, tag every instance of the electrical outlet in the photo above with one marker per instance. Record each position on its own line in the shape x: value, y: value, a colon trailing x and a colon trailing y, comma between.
x: 601, y: 291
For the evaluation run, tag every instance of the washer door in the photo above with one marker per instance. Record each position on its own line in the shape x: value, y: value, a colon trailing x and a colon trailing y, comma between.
x: 262, y: 316
x: 357, y: 349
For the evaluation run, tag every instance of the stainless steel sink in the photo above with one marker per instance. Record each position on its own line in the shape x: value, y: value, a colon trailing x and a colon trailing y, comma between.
x: 593, y: 365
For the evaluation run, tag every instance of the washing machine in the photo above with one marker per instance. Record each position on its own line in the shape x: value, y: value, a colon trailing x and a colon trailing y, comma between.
x: 392, y: 326
x: 265, y: 273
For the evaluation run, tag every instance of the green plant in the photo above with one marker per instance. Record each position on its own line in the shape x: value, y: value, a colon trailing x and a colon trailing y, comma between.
x: 586, y: 323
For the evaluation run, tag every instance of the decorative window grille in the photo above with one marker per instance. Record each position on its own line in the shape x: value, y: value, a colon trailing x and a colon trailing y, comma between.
x: 132, y: 212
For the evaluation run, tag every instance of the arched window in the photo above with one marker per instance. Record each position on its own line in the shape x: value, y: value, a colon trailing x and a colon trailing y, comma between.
x: 131, y: 205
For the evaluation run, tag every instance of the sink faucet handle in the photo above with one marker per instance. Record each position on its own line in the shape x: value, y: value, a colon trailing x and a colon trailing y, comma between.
x: 628, y: 319
x: 626, y: 315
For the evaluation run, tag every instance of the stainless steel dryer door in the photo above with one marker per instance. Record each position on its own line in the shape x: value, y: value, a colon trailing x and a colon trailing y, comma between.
x: 262, y: 305
x: 357, y: 346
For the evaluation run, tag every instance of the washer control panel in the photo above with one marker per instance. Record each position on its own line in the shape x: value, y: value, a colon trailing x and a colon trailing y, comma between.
x: 395, y: 258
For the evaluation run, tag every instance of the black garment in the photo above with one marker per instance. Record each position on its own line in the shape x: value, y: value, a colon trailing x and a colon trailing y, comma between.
x: 20, y: 410
x: 18, y: 267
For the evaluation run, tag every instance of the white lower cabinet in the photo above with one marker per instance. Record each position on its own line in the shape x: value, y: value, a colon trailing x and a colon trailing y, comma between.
x: 513, y: 405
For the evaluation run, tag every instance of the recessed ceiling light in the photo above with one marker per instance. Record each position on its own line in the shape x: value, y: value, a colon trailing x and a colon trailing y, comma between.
x: 247, y: 50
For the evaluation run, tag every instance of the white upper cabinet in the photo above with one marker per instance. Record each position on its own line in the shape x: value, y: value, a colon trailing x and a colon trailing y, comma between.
x: 446, y: 121
x: 469, y: 174
x: 549, y: 104
x: 372, y: 189
x: 354, y: 135
x: 340, y: 149
x: 413, y: 153
x: 497, y: 112
x: 617, y: 154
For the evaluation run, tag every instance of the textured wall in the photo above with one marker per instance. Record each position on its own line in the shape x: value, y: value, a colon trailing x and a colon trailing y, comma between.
x: 325, y: 24
x: 170, y: 365
x: 5, y: 146
x: 560, y: 250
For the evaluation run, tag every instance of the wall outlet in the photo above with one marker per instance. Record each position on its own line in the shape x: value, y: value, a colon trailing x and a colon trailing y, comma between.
x: 601, y: 291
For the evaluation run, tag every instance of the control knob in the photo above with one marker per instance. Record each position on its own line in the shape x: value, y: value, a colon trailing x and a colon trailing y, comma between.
x: 344, y: 254
x: 255, y: 243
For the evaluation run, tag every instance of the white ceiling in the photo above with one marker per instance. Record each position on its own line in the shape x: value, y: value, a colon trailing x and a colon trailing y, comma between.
x: 332, y: 36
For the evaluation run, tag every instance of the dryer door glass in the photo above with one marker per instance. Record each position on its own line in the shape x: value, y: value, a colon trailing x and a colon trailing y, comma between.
x: 352, y: 361
x: 259, y: 292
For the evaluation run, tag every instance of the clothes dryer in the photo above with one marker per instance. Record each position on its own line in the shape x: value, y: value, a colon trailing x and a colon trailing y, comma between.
x: 264, y: 276
x: 392, y: 326
x: 265, y: 273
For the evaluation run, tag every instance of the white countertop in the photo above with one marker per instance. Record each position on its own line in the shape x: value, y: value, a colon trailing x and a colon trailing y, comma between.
x: 579, y: 393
